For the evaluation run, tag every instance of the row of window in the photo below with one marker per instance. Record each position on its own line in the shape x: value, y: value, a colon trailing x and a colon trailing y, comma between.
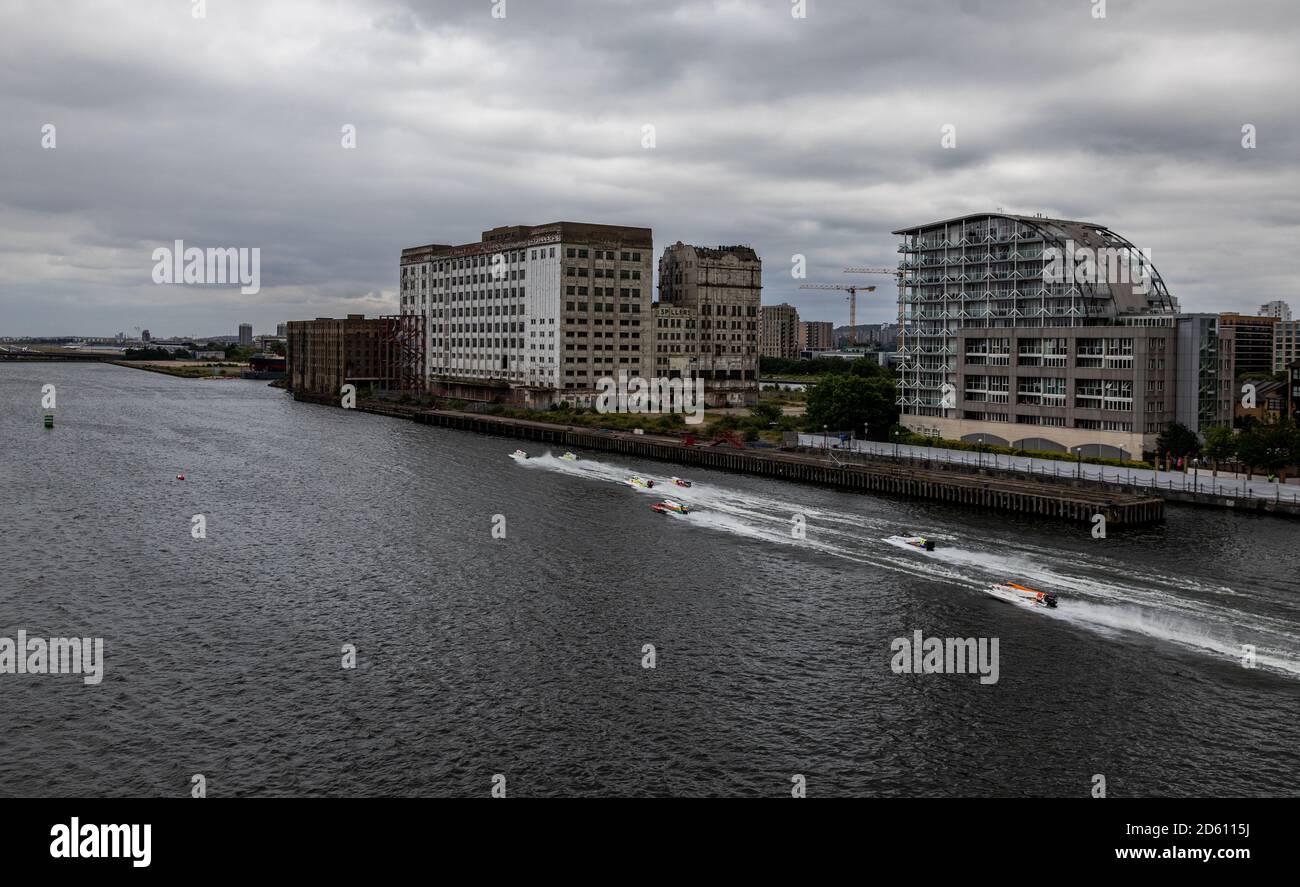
x: 631, y: 308
x: 607, y: 292
x: 1050, y: 421
x: 607, y: 255
x: 623, y: 273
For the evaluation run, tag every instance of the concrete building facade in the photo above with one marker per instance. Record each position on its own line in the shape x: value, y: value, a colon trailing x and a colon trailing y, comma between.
x: 1277, y: 308
x: 721, y: 289
x: 1254, y: 338
x: 677, y: 347
x: 533, y: 314
x: 780, y: 331
x: 1286, y: 344
x: 245, y: 335
x: 816, y: 335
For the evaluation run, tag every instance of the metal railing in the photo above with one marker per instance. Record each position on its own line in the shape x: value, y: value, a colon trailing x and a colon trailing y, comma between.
x: 1137, y: 479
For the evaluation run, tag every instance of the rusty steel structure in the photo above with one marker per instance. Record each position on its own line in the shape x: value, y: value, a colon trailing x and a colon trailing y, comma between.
x: 402, y: 352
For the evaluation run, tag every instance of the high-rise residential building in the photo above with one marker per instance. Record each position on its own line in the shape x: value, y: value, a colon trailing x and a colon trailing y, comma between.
x: 1286, y: 344
x: 1277, y: 308
x: 1254, y: 342
x: 281, y: 330
x: 1038, y: 333
x: 722, y: 289
x: 780, y: 331
x: 816, y: 335
x: 144, y: 336
x: 533, y: 314
x: 245, y: 335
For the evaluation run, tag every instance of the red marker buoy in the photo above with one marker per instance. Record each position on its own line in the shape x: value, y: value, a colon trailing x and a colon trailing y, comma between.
x: 180, y: 477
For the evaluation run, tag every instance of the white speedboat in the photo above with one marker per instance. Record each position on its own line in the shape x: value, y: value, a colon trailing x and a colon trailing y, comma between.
x: 668, y: 506
x: 919, y: 542
x: 1023, y: 595
x: 519, y: 455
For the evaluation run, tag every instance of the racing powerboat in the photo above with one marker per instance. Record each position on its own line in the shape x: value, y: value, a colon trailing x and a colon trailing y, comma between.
x: 569, y: 457
x: 919, y: 542
x: 1023, y: 595
x: 518, y: 454
x: 643, y: 483
x: 680, y: 482
x: 668, y: 506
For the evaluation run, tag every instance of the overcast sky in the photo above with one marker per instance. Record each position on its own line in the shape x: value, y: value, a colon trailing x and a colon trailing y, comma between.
x: 816, y: 136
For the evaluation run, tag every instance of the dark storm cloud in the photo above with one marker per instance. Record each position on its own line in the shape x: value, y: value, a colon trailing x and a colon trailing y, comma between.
x: 815, y: 137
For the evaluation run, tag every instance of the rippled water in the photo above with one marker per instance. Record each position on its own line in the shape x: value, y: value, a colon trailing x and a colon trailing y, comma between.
x: 522, y: 656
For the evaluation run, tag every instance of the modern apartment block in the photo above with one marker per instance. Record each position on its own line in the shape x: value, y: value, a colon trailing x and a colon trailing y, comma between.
x: 1277, y: 308
x: 709, y: 299
x: 245, y: 335
x: 816, y: 335
x: 999, y: 342
x: 780, y: 331
x: 533, y: 314
x: 1286, y: 344
x: 1254, y: 336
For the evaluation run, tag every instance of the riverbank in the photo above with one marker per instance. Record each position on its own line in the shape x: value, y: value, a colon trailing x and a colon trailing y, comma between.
x: 1078, y: 503
x: 187, y: 369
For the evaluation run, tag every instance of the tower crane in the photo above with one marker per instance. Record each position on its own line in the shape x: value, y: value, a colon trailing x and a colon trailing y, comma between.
x: 852, y: 290
x: 896, y: 273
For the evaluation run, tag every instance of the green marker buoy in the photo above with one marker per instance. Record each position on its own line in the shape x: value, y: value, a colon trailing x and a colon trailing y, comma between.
x: 49, y: 420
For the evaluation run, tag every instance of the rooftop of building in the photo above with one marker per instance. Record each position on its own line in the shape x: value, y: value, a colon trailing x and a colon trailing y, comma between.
x: 1233, y: 317
x: 742, y: 251
x: 508, y: 236
x: 1126, y: 298
x: 1039, y: 221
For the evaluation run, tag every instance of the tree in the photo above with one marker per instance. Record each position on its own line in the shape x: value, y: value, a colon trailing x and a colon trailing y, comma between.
x: 853, y: 403
x: 1220, y: 446
x: 766, y: 411
x: 1177, y: 441
x: 870, y: 368
x: 1271, y: 446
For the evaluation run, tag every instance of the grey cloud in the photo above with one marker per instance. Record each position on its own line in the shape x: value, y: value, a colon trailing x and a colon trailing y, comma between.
x: 817, y: 137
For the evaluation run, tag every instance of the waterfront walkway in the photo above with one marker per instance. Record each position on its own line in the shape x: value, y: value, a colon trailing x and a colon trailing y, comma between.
x: 1198, y: 482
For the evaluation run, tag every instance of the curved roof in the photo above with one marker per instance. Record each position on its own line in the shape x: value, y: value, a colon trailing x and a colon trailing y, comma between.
x: 1128, y: 298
